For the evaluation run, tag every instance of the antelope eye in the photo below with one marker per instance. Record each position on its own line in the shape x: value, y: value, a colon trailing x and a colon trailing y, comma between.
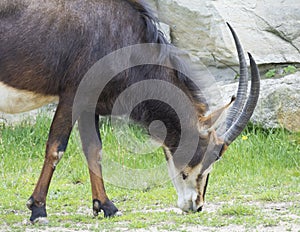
x: 184, y: 176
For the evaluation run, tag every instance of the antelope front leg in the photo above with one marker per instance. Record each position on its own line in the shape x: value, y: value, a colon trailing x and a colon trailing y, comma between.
x: 91, y: 143
x: 56, y: 145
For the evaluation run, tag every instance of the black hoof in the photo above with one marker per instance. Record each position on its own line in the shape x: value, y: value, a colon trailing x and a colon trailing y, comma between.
x: 38, y: 211
x: 108, y: 208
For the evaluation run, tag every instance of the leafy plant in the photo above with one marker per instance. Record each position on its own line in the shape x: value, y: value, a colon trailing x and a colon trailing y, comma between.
x: 271, y: 73
x: 290, y: 69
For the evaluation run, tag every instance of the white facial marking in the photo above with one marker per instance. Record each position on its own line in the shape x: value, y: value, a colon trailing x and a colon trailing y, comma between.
x: 202, y: 187
x: 189, y: 190
x: 16, y: 101
x: 185, y: 190
x: 173, y: 173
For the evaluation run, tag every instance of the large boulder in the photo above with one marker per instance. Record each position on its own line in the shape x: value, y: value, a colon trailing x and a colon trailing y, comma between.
x: 268, y: 29
x: 278, y: 105
x: 279, y: 102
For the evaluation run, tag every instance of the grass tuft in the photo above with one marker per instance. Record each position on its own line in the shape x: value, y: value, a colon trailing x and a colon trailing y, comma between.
x: 237, y: 210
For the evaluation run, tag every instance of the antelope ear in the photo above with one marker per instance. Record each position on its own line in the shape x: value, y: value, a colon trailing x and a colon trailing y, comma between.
x: 210, y: 122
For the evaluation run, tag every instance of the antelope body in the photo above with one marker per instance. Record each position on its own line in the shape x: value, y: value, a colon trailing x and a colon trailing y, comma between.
x: 47, y: 47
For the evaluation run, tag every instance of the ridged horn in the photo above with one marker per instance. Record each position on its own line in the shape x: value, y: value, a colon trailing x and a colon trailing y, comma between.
x: 233, y: 132
x: 237, y: 106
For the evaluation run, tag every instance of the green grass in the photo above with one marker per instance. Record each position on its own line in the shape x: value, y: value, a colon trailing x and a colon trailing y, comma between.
x: 237, y: 210
x: 257, y: 182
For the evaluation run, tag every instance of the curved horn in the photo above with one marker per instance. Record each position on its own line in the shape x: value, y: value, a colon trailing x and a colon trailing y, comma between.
x: 237, y: 107
x: 244, y: 117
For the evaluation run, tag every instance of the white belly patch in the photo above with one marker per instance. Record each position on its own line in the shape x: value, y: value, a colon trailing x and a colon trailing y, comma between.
x: 17, y: 101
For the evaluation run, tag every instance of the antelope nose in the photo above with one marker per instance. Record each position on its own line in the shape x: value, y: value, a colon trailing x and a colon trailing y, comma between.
x: 199, y: 209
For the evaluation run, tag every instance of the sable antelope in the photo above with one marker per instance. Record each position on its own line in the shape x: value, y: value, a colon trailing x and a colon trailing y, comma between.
x: 47, y: 47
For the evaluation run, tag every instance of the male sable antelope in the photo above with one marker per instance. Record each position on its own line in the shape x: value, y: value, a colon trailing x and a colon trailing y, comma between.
x: 47, y: 47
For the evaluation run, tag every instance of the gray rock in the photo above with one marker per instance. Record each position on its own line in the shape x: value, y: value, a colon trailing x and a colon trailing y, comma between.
x: 279, y: 102
x: 268, y: 29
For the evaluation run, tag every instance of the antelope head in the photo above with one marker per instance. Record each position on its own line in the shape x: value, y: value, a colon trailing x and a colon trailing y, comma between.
x: 191, y: 181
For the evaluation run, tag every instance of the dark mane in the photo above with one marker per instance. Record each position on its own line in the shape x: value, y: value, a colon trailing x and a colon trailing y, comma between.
x: 157, y: 36
x: 151, y: 21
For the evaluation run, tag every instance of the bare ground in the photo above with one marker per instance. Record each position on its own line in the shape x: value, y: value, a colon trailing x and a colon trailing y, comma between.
x: 285, y: 220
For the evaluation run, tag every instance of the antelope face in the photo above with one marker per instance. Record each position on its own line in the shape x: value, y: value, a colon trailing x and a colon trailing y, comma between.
x: 191, y: 190
x: 191, y: 181
x: 190, y: 187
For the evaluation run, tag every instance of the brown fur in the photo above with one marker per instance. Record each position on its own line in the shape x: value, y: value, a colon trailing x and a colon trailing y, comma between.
x: 47, y: 46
